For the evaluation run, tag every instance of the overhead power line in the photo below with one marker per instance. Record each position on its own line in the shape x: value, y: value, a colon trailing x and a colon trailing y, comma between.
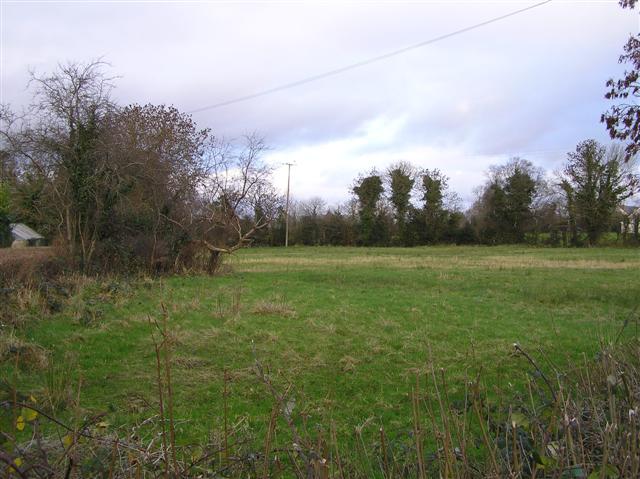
x: 368, y: 61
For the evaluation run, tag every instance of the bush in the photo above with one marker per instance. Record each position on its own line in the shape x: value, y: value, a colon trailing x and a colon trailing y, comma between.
x: 29, y: 266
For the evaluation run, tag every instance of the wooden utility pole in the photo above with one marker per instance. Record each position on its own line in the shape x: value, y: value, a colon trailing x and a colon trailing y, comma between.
x: 286, y: 210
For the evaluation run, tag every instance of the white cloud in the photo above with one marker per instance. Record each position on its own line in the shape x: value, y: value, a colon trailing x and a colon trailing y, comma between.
x: 529, y: 83
x: 329, y: 169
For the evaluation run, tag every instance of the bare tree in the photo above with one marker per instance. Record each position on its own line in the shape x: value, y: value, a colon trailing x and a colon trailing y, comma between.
x: 314, y: 206
x: 237, y: 199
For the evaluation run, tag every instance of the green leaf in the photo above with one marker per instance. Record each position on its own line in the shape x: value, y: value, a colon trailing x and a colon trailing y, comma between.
x: 609, y: 472
x: 519, y: 419
x: 577, y: 472
x: 29, y: 414
x: 548, y: 463
x: 20, y: 423
x: 67, y: 440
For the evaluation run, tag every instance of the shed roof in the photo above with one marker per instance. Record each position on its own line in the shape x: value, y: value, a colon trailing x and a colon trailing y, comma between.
x: 22, y: 232
x: 629, y: 210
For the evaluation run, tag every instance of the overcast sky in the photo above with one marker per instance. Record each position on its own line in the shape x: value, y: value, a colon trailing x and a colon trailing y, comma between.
x: 530, y: 85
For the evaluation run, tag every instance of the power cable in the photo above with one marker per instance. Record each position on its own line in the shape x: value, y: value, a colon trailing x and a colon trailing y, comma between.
x: 368, y: 61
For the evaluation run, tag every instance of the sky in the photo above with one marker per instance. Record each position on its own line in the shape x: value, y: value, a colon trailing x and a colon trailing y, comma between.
x: 531, y: 85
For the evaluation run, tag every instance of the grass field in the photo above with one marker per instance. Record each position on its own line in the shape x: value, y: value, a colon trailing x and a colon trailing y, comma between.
x: 349, y: 328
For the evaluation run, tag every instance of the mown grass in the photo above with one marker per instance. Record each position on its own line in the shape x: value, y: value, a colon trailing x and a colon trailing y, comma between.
x: 349, y: 328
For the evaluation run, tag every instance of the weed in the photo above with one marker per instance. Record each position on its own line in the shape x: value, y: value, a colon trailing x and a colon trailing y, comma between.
x: 58, y: 392
x: 28, y: 355
x: 276, y: 307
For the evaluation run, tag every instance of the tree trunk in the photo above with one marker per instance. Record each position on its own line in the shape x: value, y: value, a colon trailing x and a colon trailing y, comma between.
x: 214, y: 263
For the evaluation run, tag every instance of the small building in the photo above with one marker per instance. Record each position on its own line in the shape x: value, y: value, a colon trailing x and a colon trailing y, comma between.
x: 630, y: 219
x: 23, y: 236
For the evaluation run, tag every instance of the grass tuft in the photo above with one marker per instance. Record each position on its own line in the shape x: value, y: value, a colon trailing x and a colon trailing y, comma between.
x: 277, y: 307
x: 27, y: 355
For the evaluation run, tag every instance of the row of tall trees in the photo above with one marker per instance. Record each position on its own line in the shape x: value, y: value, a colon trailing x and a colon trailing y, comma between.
x: 518, y: 203
x: 405, y: 206
x: 382, y: 212
x: 141, y: 185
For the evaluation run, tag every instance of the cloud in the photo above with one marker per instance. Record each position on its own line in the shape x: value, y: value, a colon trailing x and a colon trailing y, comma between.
x: 331, y: 167
x: 532, y: 84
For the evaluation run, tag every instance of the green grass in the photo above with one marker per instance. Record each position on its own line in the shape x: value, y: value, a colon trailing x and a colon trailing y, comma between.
x: 349, y: 327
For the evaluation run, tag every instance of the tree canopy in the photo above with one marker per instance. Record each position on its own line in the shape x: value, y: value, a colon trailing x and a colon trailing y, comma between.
x: 595, y: 181
x: 134, y: 186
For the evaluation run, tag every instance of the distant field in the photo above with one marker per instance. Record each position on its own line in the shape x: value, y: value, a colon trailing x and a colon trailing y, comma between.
x: 348, y: 327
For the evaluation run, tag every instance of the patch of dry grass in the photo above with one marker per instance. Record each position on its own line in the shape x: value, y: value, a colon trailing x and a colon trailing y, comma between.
x: 190, y: 362
x: 18, y: 351
x: 276, y: 308
x: 12, y: 254
x: 498, y: 262
x: 348, y: 363
x: 20, y: 266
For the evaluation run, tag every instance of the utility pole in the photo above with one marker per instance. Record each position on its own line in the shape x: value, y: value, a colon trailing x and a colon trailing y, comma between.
x: 286, y: 210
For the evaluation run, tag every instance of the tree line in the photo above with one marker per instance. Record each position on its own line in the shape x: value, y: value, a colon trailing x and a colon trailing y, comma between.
x: 143, y: 187
x: 406, y: 206
x: 518, y: 203
x: 127, y: 187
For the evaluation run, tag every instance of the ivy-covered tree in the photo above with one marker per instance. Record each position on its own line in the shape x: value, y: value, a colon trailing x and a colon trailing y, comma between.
x: 7, y: 174
x: 400, y: 178
x: 369, y: 191
x: 434, y: 185
x: 494, y: 223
